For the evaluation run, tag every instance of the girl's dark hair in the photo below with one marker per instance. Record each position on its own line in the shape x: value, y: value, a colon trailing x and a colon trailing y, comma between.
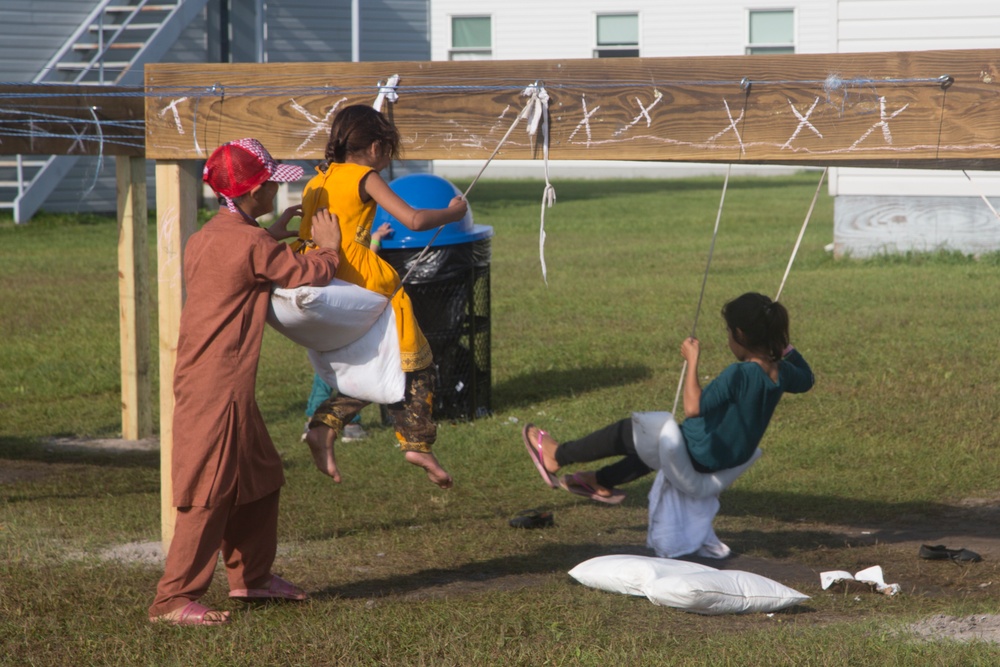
x: 762, y: 322
x: 357, y: 127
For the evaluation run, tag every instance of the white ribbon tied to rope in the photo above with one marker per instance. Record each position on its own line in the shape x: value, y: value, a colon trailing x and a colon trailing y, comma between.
x: 537, y: 113
x: 386, y: 91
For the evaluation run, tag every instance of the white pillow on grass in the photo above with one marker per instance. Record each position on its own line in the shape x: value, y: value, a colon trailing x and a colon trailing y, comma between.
x: 722, y: 592
x: 629, y: 574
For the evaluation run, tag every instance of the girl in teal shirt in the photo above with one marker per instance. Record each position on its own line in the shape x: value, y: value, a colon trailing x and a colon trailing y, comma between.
x: 724, y: 422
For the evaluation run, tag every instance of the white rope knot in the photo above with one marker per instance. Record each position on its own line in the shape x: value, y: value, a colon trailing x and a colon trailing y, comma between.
x: 387, y: 91
x: 537, y: 113
x: 536, y: 108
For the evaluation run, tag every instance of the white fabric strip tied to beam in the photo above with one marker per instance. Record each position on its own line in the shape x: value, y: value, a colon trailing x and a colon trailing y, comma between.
x: 386, y: 91
x: 538, y: 115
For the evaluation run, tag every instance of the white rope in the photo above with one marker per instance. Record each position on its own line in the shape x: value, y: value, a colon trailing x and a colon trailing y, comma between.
x: 704, y: 281
x: 982, y: 195
x: 802, y: 232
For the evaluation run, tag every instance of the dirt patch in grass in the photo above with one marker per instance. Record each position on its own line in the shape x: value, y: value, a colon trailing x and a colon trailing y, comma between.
x: 969, y: 524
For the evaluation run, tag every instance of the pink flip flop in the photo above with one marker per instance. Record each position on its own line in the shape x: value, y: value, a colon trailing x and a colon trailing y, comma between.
x: 279, y: 589
x: 535, y: 452
x: 193, y: 613
x: 574, y: 484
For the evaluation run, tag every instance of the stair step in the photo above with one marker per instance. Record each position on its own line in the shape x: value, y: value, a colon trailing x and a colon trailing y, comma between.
x: 111, y: 27
x: 135, y: 46
x: 79, y: 67
x: 118, y: 9
x: 12, y: 164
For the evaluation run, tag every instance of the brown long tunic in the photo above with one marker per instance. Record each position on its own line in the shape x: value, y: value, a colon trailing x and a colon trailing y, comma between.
x: 220, y: 441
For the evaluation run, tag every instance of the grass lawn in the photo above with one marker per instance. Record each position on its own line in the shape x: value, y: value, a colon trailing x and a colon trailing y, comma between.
x: 896, y: 446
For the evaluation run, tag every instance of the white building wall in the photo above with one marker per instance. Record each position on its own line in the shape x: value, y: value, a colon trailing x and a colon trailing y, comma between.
x: 914, y: 25
x: 893, y: 210
x: 562, y: 29
x: 567, y: 29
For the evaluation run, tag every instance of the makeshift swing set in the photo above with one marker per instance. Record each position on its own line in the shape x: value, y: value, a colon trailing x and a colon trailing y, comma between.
x: 926, y: 109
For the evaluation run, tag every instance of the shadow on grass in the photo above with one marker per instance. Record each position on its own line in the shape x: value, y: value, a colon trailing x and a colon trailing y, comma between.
x: 544, y: 561
x: 865, y: 521
x: 531, y: 388
x: 43, y: 450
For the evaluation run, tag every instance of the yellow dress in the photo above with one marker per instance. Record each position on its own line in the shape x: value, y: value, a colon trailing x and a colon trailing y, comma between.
x: 339, y: 190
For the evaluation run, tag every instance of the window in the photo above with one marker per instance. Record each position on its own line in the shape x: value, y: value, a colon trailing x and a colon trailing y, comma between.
x: 471, y: 38
x: 617, y: 36
x: 771, y: 31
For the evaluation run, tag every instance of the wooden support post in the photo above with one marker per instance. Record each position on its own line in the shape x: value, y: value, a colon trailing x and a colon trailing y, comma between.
x: 176, y: 210
x: 133, y: 298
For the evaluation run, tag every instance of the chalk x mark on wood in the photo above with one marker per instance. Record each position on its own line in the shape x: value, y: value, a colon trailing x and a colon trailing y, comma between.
x: 318, y: 125
x: 643, y: 113
x: 883, y: 123
x: 78, y: 135
x: 585, y: 123
x: 172, y: 107
x: 803, y: 122
x: 732, y: 126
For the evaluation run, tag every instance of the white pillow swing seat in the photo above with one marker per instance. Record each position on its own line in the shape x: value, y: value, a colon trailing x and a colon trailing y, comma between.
x: 350, y: 335
x: 682, y: 502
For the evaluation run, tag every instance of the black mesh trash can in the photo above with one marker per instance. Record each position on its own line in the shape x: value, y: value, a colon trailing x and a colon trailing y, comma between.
x: 450, y: 290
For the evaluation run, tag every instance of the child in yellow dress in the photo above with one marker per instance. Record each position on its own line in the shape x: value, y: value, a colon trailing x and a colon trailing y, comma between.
x: 362, y: 143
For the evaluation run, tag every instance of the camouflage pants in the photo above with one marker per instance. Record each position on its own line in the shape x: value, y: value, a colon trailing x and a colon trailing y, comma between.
x: 415, y: 427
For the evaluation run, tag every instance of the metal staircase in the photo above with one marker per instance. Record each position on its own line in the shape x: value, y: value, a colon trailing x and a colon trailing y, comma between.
x: 109, y: 47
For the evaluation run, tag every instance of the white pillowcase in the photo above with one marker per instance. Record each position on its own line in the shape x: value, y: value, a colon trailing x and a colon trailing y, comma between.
x: 631, y: 574
x: 722, y: 592
x: 370, y: 368
x: 325, y: 318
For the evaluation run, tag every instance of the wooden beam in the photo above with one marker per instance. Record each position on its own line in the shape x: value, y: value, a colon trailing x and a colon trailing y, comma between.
x: 176, y: 208
x: 904, y: 109
x: 46, y: 119
x: 133, y: 298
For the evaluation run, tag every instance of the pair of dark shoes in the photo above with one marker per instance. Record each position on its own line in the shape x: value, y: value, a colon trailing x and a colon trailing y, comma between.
x: 532, y: 519
x: 941, y: 552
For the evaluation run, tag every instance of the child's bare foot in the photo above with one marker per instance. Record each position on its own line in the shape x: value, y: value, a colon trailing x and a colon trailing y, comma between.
x: 549, y: 446
x: 320, y: 440
x: 429, y: 462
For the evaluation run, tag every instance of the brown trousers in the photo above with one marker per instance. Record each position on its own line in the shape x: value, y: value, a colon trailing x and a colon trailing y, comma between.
x: 247, y: 536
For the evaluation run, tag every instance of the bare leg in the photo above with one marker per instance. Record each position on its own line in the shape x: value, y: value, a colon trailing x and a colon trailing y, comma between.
x: 429, y: 462
x: 320, y: 440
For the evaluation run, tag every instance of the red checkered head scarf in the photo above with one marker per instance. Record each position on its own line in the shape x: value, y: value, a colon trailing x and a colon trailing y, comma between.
x: 236, y: 168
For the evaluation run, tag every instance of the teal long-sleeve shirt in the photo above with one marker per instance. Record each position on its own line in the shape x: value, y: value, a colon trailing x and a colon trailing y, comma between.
x: 736, y: 408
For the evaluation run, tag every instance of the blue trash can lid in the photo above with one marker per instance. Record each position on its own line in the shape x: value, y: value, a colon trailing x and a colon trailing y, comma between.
x: 428, y: 191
